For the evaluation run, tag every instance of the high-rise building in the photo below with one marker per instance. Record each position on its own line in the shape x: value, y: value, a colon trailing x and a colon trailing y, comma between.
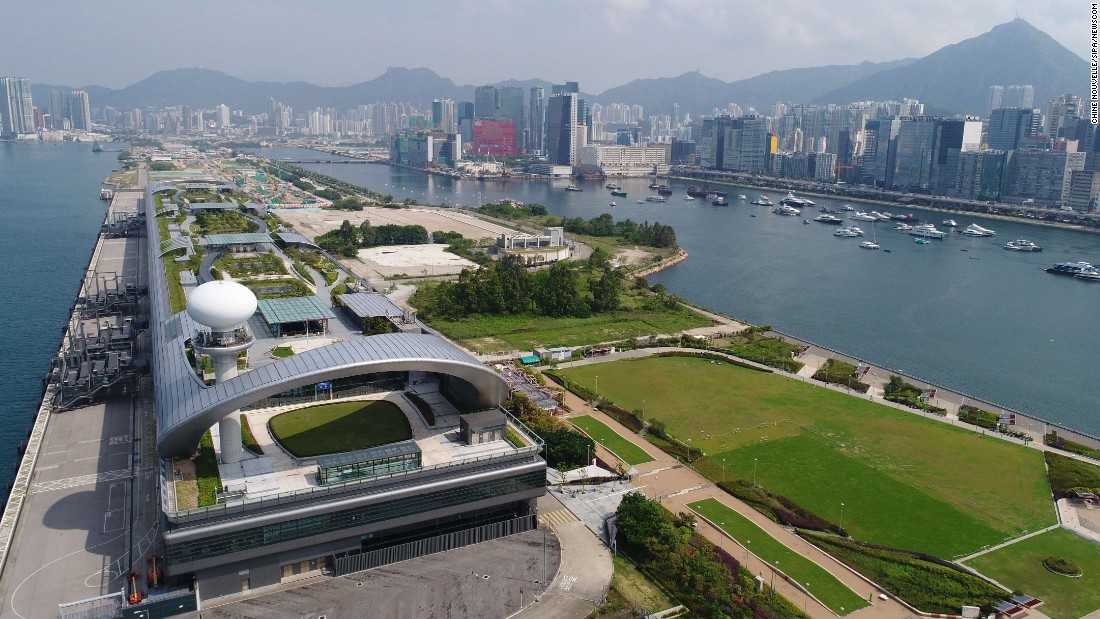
x: 486, y: 102
x: 222, y: 111
x: 561, y: 128
x: 536, y: 120
x: 734, y: 144
x: 16, y: 107
x: 80, y: 112
x: 1019, y: 96
x: 1059, y: 110
x: 996, y: 96
x: 1009, y: 127
x: 443, y: 115
x: 1043, y: 176
x: 59, y: 109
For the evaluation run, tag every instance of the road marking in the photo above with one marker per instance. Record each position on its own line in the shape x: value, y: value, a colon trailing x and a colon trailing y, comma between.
x: 114, y: 520
x: 557, y: 517
x: 567, y: 582
x: 82, y: 480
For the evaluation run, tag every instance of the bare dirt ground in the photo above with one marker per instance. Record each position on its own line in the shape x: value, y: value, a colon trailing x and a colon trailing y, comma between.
x: 446, y: 220
x: 410, y: 260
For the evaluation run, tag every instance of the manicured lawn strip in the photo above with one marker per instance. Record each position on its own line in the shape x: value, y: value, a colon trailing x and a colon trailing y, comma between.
x: 249, y: 439
x: 630, y: 589
x: 878, y: 507
x: 925, y: 585
x: 823, y: 585
x: 206, y: 471
x: 629, y: 452
x: 1069, y: 474
x: 723, y: 408
x: 1020, y: 566
x: 341, y: 426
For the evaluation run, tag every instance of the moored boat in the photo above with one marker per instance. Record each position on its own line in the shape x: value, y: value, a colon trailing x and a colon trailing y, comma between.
x: 1022, y: 245
x: 976, y: 230
x: 572, y: 187
x: 1069, y: 268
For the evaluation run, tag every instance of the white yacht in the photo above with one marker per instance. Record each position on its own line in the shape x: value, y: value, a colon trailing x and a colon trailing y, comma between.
x: 878, y: 216
x: 857, y: 230
x: 656, y: 199
x: 976, y: 230
x: 928, y: 231
x: 688, y: 198
x: 1089, y: 275
x: 844, y: 232
x: 828, y: 219
x: 783, y: 209
x: 903, y: 226
x: 1022, y: 245
x: 861, y: 216
x: 869, y: 245
x: 847, y: 207
x: 950, y: 223
x: 742, y: 196
x: 762, y: 201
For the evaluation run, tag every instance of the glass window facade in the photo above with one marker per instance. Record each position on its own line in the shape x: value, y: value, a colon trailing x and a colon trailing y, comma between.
x: 223, y: 544
x: 364, y: 463
x: 364, y: 384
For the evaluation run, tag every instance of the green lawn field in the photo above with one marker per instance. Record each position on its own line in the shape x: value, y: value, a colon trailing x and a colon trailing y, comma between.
x: 607, y: 437
x: 906, y: 481
x: 527, y: 332
x: 823, y: 585
x: 1020, y: 566
x: 340, y: 426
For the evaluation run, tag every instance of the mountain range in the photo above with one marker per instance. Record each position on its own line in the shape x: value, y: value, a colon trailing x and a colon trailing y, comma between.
x: 952, y: 80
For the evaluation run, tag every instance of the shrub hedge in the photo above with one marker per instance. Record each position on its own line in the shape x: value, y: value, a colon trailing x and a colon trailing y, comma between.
x: 924, y: 582
x: 978, y: 417
x: 1069, y: 475
x: 779, y: 508
x: 838, y: 372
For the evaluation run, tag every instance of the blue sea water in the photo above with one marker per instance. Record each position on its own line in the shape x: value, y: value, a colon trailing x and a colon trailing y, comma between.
x: 50, y: 214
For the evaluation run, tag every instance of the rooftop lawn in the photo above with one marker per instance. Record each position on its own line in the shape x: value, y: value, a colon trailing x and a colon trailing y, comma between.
x: 339, y: 426
x: 906, y: 481
x: 629, y: 452
x: 1019, y: 566
x: 819, y: 582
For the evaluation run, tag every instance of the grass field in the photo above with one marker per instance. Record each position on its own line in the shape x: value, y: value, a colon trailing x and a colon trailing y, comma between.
x: 823, y: 585
x: 629, y: 452
x: 1019, y: 566
x: 631, y: 590
x: 906, y: 481
x: 526, y: 332
x: 340, y: 426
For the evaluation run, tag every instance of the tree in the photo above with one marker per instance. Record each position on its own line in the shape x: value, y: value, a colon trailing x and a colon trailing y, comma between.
x: 558, y: 296
x: 605, y: 291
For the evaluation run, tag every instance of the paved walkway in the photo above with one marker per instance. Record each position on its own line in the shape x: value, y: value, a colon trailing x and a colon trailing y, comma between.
x: 582, y: 579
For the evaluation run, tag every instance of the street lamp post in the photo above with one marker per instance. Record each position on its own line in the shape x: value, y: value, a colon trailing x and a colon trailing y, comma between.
x: 842, y: 514
x: 776, y: 569
x: 723, y: 470
x: 754, y: 461
x: 597, y: 386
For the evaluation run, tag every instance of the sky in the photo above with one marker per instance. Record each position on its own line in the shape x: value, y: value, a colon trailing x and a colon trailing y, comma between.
x: 599, y: 43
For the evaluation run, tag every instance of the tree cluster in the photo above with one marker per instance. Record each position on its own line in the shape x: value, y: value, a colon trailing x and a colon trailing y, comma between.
x: 565, y: 447
x: 508, y: 210
x: 651, y: 235
x: 668, y: 549
x: 506, y: 287
x: 347, y: 239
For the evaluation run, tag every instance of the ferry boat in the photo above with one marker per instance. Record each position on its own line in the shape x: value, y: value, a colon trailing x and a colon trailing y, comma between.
x: 1022, y: 245
x: 656, y: 199
x: 612, y: 186
x: 1070, y: 268
x: 828, y: 219
x: 696, y: 191
x: 927, y: 231
x: 976, y: 230
x: 619, y: 192
x: 572, y: 187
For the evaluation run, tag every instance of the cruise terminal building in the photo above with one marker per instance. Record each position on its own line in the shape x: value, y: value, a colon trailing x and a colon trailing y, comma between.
x: 469, y: 472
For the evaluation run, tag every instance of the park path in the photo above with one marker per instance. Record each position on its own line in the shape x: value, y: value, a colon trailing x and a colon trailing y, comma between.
x: 676, y: 485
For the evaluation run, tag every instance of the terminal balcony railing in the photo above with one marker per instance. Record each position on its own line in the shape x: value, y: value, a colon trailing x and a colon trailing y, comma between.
x: 210, y: 339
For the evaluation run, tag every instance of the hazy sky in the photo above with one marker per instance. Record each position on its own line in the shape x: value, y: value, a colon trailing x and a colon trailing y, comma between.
x: 600, y: 43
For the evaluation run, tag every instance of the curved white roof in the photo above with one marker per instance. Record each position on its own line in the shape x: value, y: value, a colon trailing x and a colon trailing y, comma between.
x: 221, y: 305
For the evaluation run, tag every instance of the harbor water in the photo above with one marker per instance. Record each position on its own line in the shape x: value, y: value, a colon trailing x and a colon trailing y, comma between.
x: 960, y: 312
x: 50, y: 214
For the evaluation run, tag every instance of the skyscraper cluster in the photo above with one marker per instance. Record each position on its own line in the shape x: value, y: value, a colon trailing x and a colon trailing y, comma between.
x: 16, y: 107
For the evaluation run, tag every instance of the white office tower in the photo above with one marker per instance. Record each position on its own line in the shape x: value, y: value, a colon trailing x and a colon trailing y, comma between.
x: 224, y: 308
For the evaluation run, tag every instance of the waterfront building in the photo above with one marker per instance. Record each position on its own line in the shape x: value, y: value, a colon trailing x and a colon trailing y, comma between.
x: 1009, y: 127
x: 550, y: 246
x: 627, y: 160
x: 495, y: 137
x: 822, y: 167
x: 913, y: 148
x: 1083, y: 188
x: 80, y: 113
x: 1059, y: 111
x: 536, y: 120
x: 733, y: 144
x: 561, y: 128
x: 953, y: 137
x: 16, y: 107
x: 59, y: 109
x: 1042, y: 176
x: 278, y: 518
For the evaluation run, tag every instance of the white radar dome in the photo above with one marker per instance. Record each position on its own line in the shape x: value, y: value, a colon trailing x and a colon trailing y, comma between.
x: 221, y: 305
